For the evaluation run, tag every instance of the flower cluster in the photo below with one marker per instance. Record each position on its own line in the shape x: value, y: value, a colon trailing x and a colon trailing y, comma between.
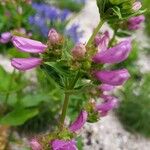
x: 85, y: 67
x: 108, y: 78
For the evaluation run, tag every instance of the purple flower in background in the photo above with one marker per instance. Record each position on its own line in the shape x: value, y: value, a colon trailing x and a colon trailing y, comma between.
x: 115, y: 77
x: 35, y: 145
x: 116, y: 54
x: 110, y: 102
x: 28, y: 45
x: 79, y: 122
x: 46, y: 16
x: 24, y: 64
x: 5, y: 37
x: 63, y: 145
x: 134, y: 23
x: 73, y: 33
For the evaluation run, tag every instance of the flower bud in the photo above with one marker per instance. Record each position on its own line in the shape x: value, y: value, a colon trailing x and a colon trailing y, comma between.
x: 5, y: 37
x: 35, y: 145
x: 63, y: 145
x: 24, y: 64
x: 54, y: 37
x: 28, y: 45
x: 79, y: 122
x: 115, y: 54
x: 78, y: 52
x: 115, y: 77
x: 136, y: 6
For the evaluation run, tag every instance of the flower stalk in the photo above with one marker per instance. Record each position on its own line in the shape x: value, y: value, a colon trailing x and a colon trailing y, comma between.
x: 95, y: 32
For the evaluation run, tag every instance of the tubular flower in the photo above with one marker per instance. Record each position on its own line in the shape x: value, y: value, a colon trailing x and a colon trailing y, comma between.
x: 134, y: 23
x: 110, y: 102
x: 24, y: 64
x: 115, y: 77
x: 116, y: 54
x: 35, y: 145
x: 101, y: 41
x: 63, y: 145
x: 106, y: 87
x: 28, y: 45
x: 79, y: 122
x: 5, y: 37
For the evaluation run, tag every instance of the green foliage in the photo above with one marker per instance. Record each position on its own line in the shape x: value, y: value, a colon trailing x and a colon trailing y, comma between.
x: 112, y: 10
x: 15, y: 14
x: 70, y: 4
x: 18, y: 116
x: 134, y: 110
x: 146, y: 5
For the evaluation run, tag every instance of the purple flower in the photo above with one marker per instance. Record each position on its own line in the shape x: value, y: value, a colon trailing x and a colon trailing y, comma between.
x: 24, y: 64
x: 106, y: 87
x: 115, y: 77
x: 5, y: 37
x: 135, y: 22
x: 35, y: 145
x: 116, y: 54
x: 78, y: 52
x: 136, y: 6
x: 102, y: 41
x: 28, y: 45
x: 54, y: 37
x: 63, y: 145
x: 110, y: 102
x: 73, y: 33
x: 79, y: 122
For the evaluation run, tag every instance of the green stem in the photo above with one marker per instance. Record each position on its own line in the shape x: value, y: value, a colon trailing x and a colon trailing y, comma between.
x: 66, y: 100
x: 113, y: 38
x: 64, y: 110
x: 9, y: 88
x: 95, y: 32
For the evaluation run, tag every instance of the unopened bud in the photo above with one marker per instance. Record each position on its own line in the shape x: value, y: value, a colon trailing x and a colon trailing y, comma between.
x: 78, y: 52
x: 136, y: 6
x: 54, y: 37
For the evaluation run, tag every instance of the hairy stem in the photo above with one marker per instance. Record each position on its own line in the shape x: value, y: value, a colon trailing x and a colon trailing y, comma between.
x: 66, y: 99
x: 95, y: 32
x: 64, y: 109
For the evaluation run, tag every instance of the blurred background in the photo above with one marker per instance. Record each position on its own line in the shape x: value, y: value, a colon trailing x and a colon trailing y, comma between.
x: 30, y: 103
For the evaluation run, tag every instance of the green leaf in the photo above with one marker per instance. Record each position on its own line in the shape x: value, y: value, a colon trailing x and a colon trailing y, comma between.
x: 53, y: 74
x: 34, y: 100
x: 59, y: 68
x: 18, y: 116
